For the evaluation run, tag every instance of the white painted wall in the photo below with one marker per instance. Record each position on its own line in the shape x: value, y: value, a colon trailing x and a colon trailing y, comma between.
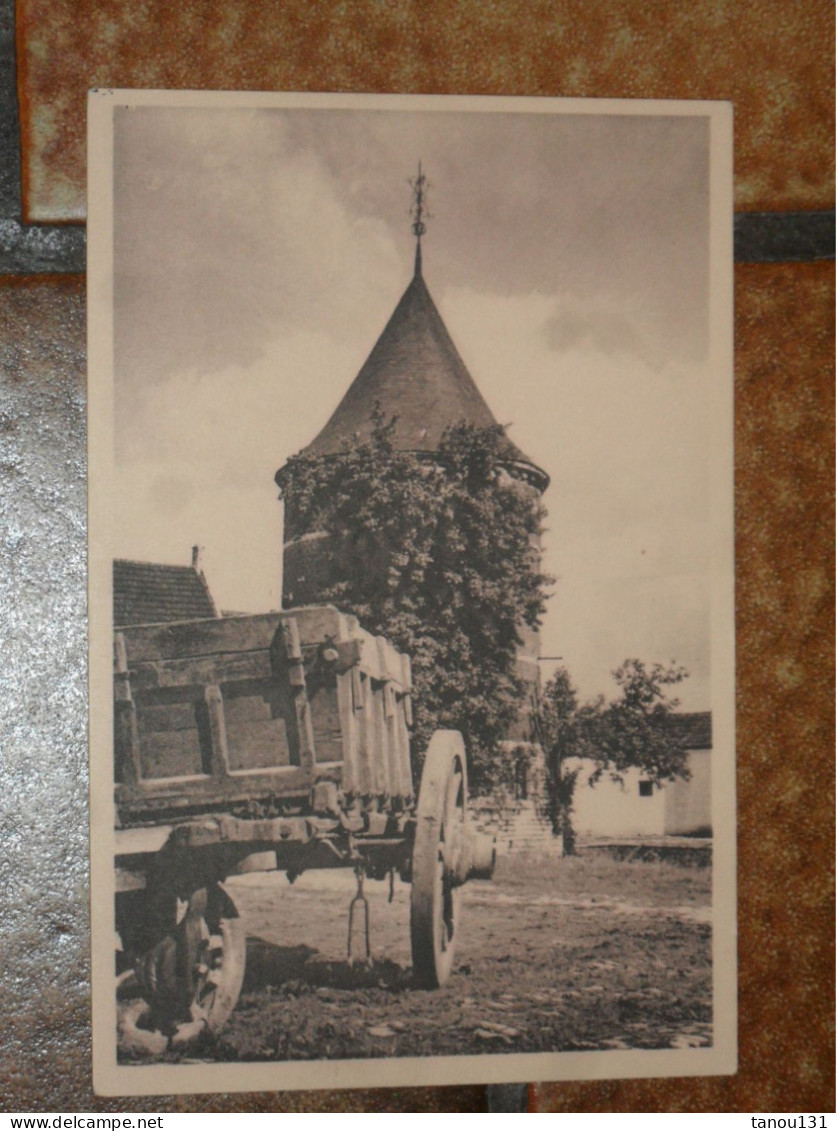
x: 687, y: 803
x: 619, y: 809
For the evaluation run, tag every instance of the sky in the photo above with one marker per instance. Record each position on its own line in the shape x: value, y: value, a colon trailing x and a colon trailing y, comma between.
x: 258, y: 254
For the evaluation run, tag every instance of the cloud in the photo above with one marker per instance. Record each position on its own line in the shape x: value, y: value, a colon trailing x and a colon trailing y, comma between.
x: 224, y: 240
x: 240, y: 423
x: 619, y: 438
x: 603, y: 328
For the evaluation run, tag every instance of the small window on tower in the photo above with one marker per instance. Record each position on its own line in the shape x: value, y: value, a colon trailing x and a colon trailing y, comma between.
x: 645, y: 788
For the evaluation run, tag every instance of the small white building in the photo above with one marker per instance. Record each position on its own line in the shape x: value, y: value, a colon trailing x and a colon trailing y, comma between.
x: 637, y: 807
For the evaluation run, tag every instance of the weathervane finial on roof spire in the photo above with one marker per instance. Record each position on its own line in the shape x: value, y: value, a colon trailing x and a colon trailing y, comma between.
x: 419, y: 212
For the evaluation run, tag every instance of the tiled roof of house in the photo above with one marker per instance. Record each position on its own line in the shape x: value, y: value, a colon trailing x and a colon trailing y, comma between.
x: 415, y: 373
x: 149, y: 593
x: 693, y: 729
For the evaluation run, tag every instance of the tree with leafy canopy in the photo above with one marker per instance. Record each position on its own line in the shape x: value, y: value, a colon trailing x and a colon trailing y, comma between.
x: 439, y: 553
x: 633, y: 731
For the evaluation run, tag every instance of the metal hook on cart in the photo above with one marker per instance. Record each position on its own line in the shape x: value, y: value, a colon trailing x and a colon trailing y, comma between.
x: 359, y: 897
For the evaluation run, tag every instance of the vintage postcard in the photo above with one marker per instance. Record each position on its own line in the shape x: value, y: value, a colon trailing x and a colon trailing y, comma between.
x: 411, y: 590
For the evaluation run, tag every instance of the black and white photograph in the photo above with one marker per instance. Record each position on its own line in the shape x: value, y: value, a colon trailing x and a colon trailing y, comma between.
x: 411, y: 597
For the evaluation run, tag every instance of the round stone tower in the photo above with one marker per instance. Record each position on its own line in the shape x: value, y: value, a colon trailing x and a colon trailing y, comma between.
x: 415, y: 374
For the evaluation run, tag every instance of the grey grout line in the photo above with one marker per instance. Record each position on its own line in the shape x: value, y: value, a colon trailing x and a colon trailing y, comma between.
x: 783, y: 237
x: 38, y: 249
x: 507, y: 1097
x: 10, y: 201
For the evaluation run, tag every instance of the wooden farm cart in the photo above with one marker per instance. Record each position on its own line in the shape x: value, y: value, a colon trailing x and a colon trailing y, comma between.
x: 277, y: 741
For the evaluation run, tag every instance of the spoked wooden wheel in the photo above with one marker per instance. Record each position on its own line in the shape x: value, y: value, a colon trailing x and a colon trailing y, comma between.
x: 434, y: 895
x: 187, y: 984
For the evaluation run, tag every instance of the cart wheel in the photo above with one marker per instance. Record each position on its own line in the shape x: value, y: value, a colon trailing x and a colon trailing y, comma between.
x: 187, y: 985
x: 434, y: 899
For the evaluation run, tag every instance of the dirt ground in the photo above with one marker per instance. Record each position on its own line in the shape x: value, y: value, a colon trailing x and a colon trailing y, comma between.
x: 554, y: 955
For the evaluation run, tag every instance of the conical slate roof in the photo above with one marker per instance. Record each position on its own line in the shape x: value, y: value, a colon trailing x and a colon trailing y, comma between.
x: 414, y: 373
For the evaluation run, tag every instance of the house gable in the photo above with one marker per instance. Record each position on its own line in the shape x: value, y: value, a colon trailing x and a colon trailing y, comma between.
x: 153, y: 593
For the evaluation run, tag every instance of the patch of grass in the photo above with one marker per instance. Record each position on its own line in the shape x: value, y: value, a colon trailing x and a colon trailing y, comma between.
x: 597, y: 875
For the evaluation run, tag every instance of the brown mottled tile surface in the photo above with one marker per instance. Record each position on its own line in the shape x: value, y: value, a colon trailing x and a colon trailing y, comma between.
x: 44, y: 928
x: 785, y: 714
x: 773, y: 59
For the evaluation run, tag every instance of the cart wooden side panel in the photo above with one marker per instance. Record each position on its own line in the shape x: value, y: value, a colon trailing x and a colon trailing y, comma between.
x: 262, y: 707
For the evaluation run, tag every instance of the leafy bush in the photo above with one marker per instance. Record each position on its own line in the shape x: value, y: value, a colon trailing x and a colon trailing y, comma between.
x: 440, y: 553
x: 633, y: 731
